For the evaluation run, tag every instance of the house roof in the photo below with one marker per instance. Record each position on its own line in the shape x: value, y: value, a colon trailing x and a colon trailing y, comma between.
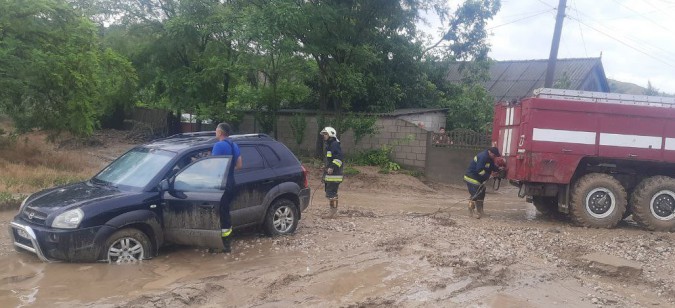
x: 517, y: 79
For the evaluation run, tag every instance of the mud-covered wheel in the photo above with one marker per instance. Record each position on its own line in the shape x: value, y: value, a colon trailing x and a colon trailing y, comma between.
x: 282, y: 218
x: 653, y: 202
x: 127, y: 246
x: 545, y: 205
x: 598, y: 201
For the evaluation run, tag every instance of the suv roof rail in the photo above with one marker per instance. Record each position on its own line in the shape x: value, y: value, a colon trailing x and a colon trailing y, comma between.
x: 251, y: 136
x: 211, y: 134
x: 187, y: 135
x: 194, y: 134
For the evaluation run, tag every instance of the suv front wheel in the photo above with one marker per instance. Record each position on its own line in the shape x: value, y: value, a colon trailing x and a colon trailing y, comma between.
x: 127, y: 246
x: 282, y: 218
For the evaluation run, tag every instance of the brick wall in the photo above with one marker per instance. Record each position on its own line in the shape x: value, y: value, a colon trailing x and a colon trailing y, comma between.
x: 408, y: 140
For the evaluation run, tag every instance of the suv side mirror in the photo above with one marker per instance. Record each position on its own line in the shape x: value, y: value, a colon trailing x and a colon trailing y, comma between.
x: 164, y: 185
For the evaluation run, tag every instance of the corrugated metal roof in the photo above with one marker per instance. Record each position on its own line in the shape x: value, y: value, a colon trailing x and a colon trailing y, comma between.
x: 517, y: 79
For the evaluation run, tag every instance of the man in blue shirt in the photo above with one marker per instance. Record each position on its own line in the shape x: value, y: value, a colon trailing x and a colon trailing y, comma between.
x: 225, y: 146
x: 480, y: 169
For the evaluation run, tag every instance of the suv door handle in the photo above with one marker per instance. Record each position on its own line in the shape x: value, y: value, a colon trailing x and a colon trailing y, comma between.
x: 206, y: 206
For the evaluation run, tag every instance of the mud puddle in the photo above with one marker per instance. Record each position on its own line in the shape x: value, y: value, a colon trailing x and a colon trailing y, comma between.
x: 28, y: 282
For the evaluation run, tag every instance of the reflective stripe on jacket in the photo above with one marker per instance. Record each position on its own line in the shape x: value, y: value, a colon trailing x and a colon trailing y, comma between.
x: 334, y: 161
x: 480, y: 168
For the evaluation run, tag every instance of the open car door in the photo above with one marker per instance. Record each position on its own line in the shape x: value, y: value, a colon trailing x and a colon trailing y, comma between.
x: 191, y: 203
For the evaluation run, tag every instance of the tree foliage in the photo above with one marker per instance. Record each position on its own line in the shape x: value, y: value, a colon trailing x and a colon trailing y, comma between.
x: 87, y: 62
x: 53, y: 73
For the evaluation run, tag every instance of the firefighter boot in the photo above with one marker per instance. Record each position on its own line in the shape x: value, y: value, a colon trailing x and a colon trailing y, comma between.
x: 227, y: 247
x: 333, y: 207
x: 479, y: 209
x: 472, y: 206
x: 226, y: 237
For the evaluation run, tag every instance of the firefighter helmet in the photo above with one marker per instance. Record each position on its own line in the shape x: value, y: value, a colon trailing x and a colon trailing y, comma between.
x: 500, y: 162
x: 329, y: 131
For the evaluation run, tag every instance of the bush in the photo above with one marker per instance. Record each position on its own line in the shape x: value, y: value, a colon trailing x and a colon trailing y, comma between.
x: 378, y: 157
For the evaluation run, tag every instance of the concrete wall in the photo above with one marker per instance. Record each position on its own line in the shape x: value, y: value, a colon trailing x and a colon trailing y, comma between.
x: 408, y: 140
x: 448, y: 164
x: 431, y: 121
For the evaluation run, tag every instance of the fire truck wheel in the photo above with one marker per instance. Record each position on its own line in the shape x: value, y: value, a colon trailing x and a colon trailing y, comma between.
x: 654, y: 203
x: 598, y: 201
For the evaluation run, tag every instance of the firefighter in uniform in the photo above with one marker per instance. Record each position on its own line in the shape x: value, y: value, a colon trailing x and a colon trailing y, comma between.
x: 481, y: 168
x: 332, y: 176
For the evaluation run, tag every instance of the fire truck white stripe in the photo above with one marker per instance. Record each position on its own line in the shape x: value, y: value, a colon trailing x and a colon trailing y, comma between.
x: 506, y: 134
x: 630, y: 141
x: 507, y: 148
x: 506, y: 118
x: 567, y: 136
x: 670, y: 144
x: 513, y: 112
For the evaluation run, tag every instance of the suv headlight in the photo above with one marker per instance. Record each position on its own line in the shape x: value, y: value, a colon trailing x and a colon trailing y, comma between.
x: 68, y: 220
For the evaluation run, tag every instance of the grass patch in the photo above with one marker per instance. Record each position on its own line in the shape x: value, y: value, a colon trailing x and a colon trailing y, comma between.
x: 29, y: 164
x: 9, y: 201
x: 414, y: 173
x: 350, y: 171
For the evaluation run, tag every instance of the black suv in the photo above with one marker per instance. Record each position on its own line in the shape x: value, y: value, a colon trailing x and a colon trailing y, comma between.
x: 167, y: 191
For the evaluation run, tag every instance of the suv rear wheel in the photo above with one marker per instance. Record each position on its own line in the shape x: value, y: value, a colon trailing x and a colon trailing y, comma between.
x: 127, y: 246
x: 282, y: 218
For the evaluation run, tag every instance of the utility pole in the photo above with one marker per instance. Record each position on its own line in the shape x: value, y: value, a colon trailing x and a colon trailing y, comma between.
x: 553, y: 57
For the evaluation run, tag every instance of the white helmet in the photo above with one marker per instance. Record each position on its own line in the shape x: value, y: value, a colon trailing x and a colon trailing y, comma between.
x: 329, y: 131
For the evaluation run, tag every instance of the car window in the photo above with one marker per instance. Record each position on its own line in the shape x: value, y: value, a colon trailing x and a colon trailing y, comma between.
x: 135, y: 168
x: 269, y: 154
x: 251, y: 159
x: 207, y: 174
x: 287, y: 157
x: 188, y: 159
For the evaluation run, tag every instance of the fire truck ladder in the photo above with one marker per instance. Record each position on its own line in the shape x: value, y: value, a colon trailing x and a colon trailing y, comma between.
x: 608, y: 98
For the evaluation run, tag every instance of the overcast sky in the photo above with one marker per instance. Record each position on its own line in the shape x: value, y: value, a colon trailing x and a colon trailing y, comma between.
x: 634, y: 36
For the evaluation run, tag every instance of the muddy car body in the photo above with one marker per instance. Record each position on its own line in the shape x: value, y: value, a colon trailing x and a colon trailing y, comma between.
x: 167, y: 191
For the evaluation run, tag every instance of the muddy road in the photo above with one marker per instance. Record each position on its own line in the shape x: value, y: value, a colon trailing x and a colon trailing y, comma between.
x: 396, y: 242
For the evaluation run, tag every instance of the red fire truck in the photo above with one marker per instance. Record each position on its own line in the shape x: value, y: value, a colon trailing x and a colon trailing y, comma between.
x: 599, y: 157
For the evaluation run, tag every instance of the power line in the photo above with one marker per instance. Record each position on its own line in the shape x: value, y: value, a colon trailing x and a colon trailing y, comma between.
x: 546, y: 4
x: 641, y: 15
x: 664, y: 52
x: 645, y: 13
x: 520, y: 19
x: 623, y: 43
x: 580, y: 30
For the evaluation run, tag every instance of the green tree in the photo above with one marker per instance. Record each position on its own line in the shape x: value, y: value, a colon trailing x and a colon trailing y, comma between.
x: 471, y: 107
x: 275, y: 60
x: 188, y: 58
x: 52, y: 68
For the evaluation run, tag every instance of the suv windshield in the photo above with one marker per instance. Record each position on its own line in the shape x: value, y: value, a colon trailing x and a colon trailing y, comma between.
x: 134, y: 169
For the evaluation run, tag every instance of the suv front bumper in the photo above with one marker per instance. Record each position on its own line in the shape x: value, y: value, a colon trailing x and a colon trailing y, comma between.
x: 50, y: 244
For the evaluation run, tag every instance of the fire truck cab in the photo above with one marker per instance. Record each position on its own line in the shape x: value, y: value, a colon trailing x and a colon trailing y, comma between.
x: 599, y: 157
